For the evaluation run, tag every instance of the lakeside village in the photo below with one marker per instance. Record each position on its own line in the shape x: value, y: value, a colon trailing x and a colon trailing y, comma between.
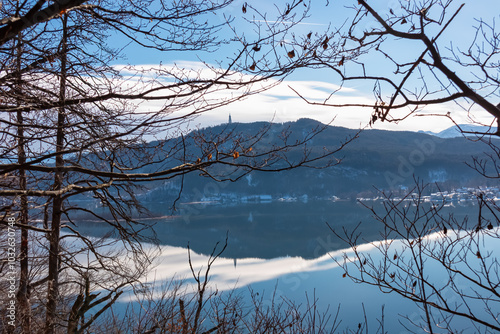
x: 461, y: 196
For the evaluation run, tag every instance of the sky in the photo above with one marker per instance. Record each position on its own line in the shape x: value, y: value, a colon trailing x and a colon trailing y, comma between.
x: 281, y: 103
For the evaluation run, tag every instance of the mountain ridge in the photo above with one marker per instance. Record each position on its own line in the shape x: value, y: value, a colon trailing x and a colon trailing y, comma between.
x: 387, y: 160
x: 462, y: 130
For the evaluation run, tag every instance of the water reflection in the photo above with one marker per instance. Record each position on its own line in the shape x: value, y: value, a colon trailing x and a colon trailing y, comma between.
x: 280, y: 249
x: 298, y: 279
x: 264, y: 230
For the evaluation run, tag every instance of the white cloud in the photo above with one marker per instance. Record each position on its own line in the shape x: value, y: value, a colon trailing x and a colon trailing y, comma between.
x: 281, y: 103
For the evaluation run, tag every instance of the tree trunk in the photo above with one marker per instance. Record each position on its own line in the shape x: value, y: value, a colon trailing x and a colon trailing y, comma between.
x: 57, y: 202
x: 22, y: 293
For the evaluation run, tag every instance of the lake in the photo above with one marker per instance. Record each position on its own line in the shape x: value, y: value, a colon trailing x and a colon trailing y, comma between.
x: 281, y: 248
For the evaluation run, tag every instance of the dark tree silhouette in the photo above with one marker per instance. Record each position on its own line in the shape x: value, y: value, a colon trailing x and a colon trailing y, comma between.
x: 445, y: 265
x: 72, y: 129
x: 404, y: 50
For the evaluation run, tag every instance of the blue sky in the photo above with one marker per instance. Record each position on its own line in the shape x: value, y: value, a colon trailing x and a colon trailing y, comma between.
x: 281, y: 103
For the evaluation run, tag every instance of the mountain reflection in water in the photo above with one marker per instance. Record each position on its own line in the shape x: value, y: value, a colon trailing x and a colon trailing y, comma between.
x: 279, y: 249
x: 264, y: 230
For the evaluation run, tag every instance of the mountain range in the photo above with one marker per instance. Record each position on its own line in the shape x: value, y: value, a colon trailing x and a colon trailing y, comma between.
x: 386, y: 160
x: 462, y: 130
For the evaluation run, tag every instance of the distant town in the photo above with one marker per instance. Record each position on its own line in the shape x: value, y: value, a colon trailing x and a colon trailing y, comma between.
x: 456, y: 196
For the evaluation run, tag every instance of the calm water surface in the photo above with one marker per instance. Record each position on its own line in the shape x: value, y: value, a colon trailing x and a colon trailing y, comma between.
x: 281, y: 248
